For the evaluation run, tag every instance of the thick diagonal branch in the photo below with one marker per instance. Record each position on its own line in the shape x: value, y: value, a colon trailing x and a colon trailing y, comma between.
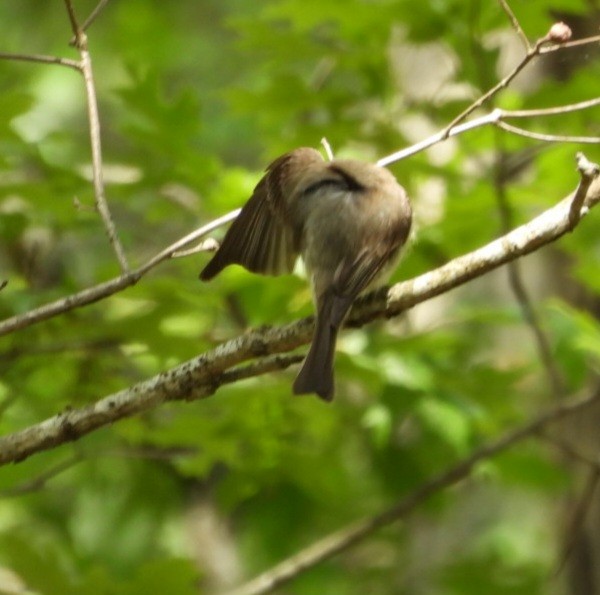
x: 201, y: 376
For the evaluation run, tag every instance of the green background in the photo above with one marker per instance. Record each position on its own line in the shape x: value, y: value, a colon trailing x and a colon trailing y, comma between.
x: 195, y: 99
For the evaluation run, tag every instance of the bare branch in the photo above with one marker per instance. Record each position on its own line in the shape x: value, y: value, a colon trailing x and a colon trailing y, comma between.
x: 578, y: 516
x: 42, y: 60
x: 496, y: 117
x: 80, y: 43
x: 73, y: 19
x: 327, y: 147
x: 94, y: 120
x: 94, y: 15
x: 347, y: 537
x: 519, y: 290
x: 39, y: 482
x: 207, y: 245
x: 98, y: 292
x: 76, y: 300
x: 589, y: 172
x: 515, y: 23
x: 552, y: 111
x: 548, y: 138
x: 492, y: 118
x: 171, y: 250
x: 555, y: 381
x: 544, y: 229
x: 558, y: 34
x: 196, y: 379
x: 568, y: 450
x: 570, y: 44
x: 532, y: 52
x: 203, y: 375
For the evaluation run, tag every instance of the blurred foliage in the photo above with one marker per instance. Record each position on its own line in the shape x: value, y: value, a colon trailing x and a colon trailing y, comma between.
x: 195, y: 98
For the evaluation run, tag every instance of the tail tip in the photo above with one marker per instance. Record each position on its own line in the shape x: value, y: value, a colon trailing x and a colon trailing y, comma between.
x: 304, y: 386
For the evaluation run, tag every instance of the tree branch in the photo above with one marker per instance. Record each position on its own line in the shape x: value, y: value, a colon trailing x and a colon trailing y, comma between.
x: 517, y: 285
x: 345, y: 538
x: 203, y: 375
x: 98, y: 292
x: 496, y: 117
x: 548, y: 138
x: 196, y: 379
x: 94, y: 14
x: 94, y: 122
x: 42, y: 60
x: 558, y: 35
x: 532, y: 51
x: 39, y: 482
x: 515, y: 23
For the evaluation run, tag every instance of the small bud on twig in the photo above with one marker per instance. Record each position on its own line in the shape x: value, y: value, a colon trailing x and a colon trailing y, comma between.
x: 559, y: 33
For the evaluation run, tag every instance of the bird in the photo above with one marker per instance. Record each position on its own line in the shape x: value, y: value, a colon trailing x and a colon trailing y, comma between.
x: 347, y: 219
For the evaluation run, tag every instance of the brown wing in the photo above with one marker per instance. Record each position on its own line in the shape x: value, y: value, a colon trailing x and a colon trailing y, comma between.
x: 355, y: 275
x: 261, y: 238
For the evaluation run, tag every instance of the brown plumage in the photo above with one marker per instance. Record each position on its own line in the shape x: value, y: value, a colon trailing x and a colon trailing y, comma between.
x: 348, y: 219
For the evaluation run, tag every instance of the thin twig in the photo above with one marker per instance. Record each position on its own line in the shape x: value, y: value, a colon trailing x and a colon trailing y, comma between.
x: 112, y: 286
x: 98, y: 292
x: 567, y: 449
x: 94, y: 121
x: 540, y: 47
x: 491, y: 118
x: 94, y: 15
x: 3, y: 284
x: 570, y: 44
x: 545, y: 228
x: 96, y: 146
x: 544, y: 349
x: 589, y: 172
x: 548, y: 138
x: 327, y: 148
x: 532, y: 52
x: 552, y: 111
x: 575, y: 524
x: 42, y: 60
x: 207, y: 245
x: 169, y: 251
x: 37, y: 483
x: 496, y: 117
x: 515, y: 23
x: 200, y: 377
x: 73, y: 19
x: 517, y: 285
x: 347, y: 537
